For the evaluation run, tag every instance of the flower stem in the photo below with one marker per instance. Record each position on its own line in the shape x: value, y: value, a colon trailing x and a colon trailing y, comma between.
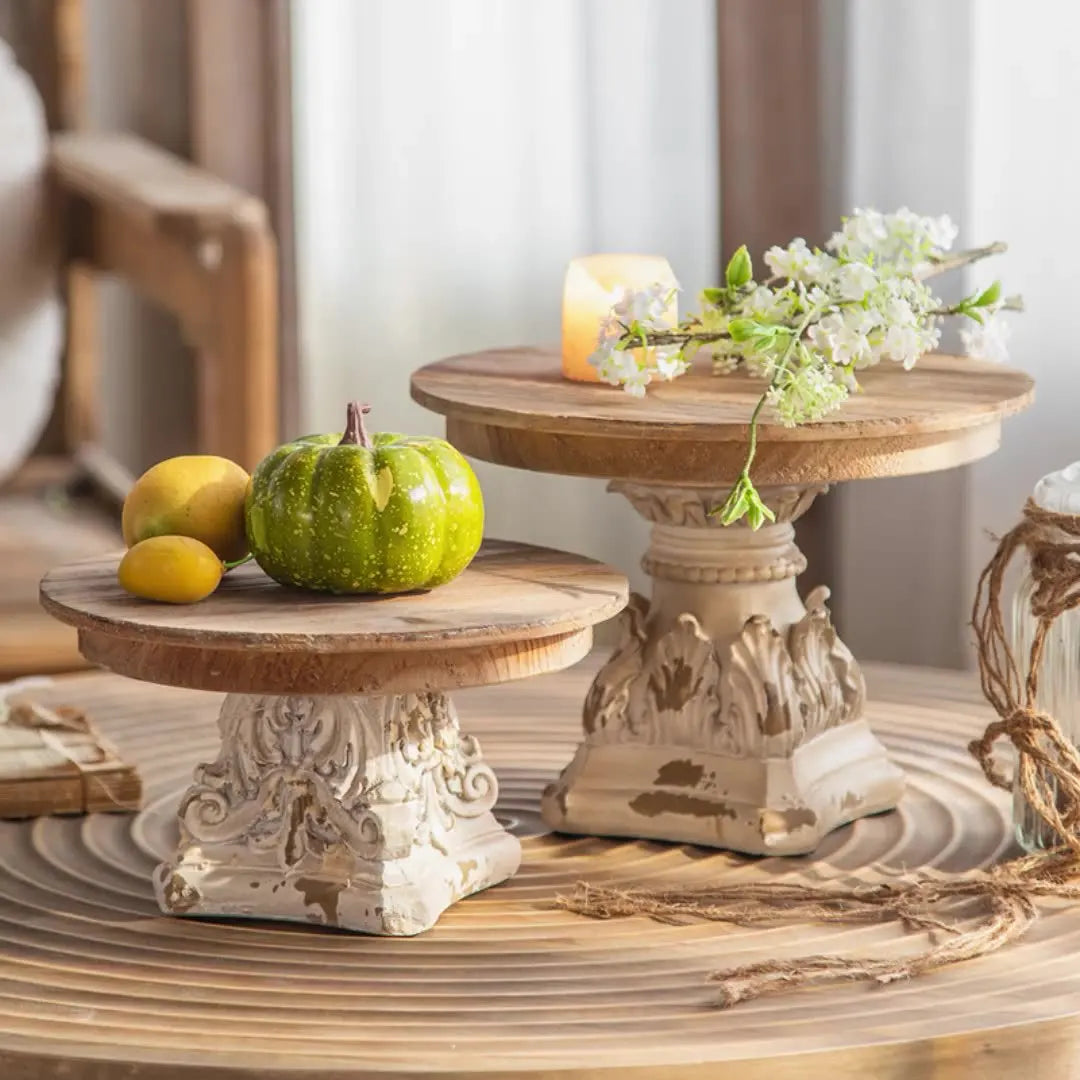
x: 781, y: 368
x: 963, y: 258
x: 1010, y: 303
x: 744, y: 481
x: 684, y: 337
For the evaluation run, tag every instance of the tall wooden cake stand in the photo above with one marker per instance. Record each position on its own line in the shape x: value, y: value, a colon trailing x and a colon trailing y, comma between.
x: 730, y: 714
x: 344, y: 792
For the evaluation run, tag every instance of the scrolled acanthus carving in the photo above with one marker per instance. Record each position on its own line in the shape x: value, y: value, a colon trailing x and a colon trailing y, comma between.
x: 767, y: 694
x: 666, y: 504
x: 305, y: 774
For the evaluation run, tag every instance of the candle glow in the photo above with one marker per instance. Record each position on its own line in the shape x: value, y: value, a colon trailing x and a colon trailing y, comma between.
x: 594, y: 284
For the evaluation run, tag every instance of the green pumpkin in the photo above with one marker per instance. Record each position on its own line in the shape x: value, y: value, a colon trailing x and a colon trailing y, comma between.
x: 355, y: 513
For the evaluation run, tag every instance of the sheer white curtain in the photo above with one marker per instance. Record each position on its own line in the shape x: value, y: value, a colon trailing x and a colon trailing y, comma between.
x: 452, y: 156
x: 966, y: 108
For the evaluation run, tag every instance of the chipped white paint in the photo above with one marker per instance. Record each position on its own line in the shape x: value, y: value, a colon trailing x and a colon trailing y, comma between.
x: 366, y: 813
x: 730, y: 714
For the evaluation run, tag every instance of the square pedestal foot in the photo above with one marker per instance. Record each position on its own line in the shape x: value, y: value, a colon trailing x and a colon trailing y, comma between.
x: 365, y: 813
x: 770, y: 806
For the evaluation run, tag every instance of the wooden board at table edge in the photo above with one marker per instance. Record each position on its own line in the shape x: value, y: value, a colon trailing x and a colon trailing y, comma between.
x: 513, y: 407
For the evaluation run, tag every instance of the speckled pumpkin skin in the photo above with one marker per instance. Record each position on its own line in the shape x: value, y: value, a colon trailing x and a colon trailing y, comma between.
x: 405, y: 513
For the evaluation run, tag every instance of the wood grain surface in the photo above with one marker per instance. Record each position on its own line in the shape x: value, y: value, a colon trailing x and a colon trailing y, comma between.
x: 513, y: 407
x: 517, y: 610
x: 97, y: 985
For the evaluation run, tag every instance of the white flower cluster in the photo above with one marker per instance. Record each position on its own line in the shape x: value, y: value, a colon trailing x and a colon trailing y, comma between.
x: 901, y: 243
x: 618, y: 362
x: 891, y: 320
x: 821, y: 317
x: 988, y: 340
x: 904, y: 241
x: 804, y: 393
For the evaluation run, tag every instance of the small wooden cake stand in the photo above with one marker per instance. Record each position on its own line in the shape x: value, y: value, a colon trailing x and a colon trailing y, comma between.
x: 731, y: 714
x: 343, y: 792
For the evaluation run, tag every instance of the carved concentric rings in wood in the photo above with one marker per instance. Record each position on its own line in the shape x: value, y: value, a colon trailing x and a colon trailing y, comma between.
x: 95, y: 984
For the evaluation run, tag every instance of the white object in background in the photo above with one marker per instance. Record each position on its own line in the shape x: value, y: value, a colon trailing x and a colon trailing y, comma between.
x: 1059, y: 670
x: 1059, y: 491
x: 31, y: 320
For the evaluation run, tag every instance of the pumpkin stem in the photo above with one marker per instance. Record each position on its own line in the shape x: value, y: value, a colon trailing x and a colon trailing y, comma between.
x: 355, y: 432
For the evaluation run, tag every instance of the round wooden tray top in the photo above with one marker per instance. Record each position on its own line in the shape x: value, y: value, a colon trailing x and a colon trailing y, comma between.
x: 97, y: 985
x: 517, y: 610
x: 513, y: 407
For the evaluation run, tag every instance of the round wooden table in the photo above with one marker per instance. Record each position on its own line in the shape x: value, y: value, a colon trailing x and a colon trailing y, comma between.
x: 344, y: 791
x: 95, y: 984
x: 731, y: 713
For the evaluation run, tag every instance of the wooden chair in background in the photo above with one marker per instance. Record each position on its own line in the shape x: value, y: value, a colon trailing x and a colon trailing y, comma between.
x: 196, y: 246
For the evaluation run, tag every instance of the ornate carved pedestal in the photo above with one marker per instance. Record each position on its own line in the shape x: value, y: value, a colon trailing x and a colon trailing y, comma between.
x: 370, y: 813
x: 344, y: 792
x: 729, y: 714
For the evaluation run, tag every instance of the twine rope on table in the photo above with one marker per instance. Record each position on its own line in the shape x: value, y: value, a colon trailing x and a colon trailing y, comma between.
x: 966, y: 916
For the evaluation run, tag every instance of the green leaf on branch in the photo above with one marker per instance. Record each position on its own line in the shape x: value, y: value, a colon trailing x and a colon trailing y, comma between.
x: 739, y: 270
x: 744, y: 329
x: 752, y: 330
x: 756, y: 512
x: 989, y: 296
x: 743, y: 501
x: 713, y: 295
x: 734, y: 509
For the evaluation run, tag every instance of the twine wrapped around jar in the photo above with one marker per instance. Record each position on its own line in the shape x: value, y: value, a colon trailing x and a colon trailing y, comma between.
x: 1006, y: 897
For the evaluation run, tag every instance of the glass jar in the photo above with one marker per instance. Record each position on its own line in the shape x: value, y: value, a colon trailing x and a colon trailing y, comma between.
x: 1059, y: 671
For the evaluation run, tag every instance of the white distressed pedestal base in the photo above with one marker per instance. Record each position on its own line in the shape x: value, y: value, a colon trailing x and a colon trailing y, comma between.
x: 730, y: 713
x: 366, y: 813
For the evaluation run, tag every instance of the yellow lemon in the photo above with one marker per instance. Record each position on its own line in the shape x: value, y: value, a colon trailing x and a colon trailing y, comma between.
x: 196, y: 495
x: 173, y: 569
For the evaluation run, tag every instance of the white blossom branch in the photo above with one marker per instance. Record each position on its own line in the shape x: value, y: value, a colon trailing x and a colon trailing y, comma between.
x: 859, y: 301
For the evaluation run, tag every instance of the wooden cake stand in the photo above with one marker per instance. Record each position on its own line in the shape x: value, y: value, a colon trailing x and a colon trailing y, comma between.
x: 730, y: 714
x: 343, y: 792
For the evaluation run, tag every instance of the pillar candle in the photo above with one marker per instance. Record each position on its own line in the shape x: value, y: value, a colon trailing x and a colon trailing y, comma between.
x: 594, y: 284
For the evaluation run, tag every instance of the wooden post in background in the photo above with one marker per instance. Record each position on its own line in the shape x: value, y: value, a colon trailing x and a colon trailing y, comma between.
x: 772, y: 159
x: 771, y: 175
x: 241, y: 130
